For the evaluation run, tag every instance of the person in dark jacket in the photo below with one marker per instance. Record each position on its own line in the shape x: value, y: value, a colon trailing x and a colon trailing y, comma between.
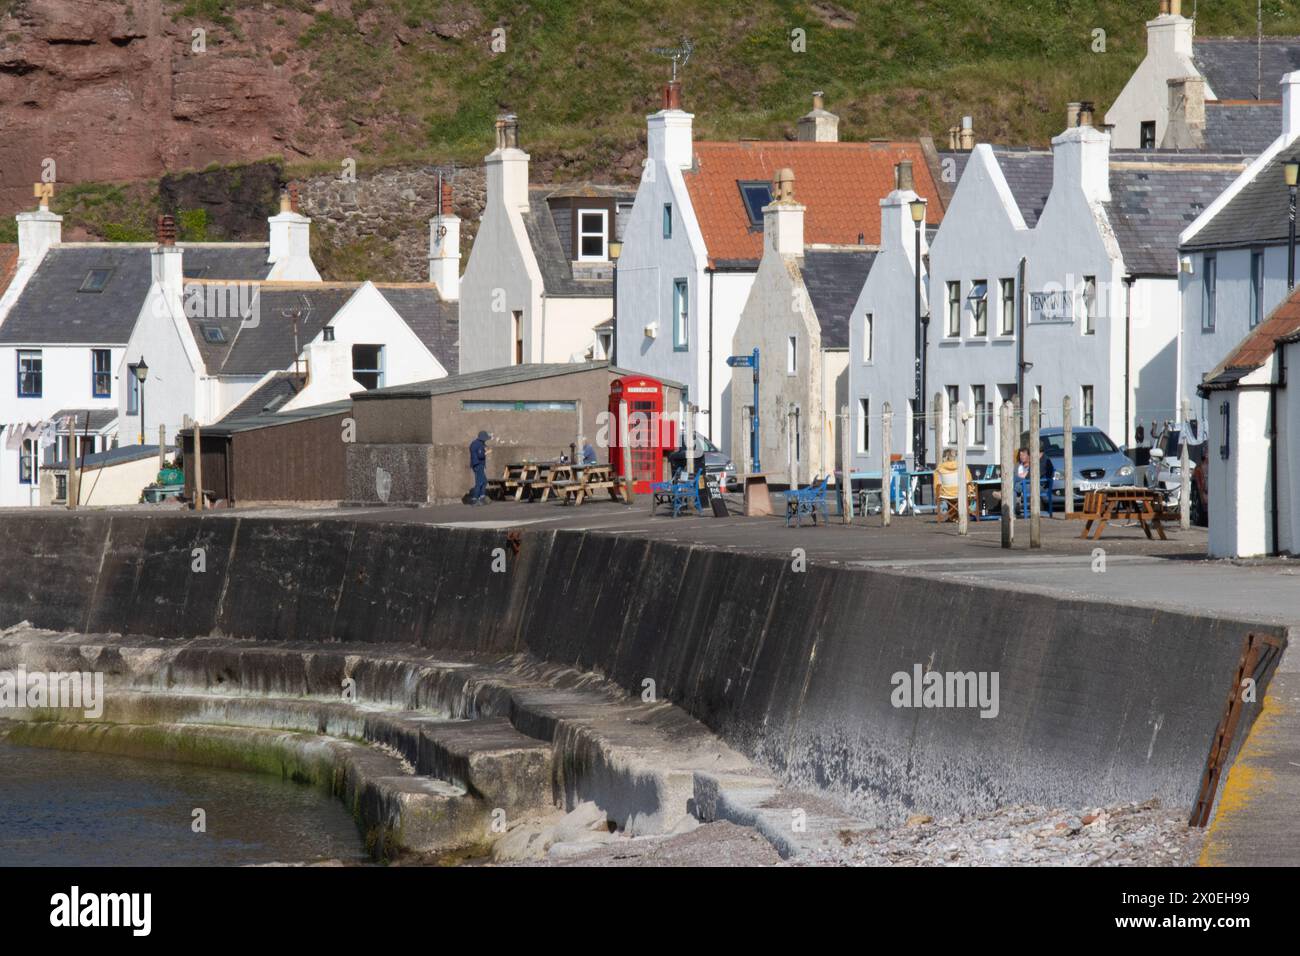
x: 478, y: 464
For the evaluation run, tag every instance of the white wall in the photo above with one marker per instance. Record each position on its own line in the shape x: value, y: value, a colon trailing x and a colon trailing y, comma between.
x: 1146, y: 95
x: 66, y: 383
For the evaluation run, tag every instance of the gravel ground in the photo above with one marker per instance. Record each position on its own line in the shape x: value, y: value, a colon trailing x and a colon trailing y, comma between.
x: 1143, y: 834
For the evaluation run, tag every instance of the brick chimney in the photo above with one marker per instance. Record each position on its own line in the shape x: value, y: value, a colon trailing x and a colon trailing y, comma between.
x: 967, y: 134
x: 668, y: 132
x: 783, y: 217
x: 507, y: 166
x: 819, y: 125
x: 444, y: 246
x: 903, y: 179
x: 1186, y: 129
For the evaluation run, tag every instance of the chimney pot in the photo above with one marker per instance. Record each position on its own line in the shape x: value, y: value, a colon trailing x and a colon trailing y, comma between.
x: 818, y: 101
x: 445, y: 203
x: 1072, y: 114
x: 507, y: 127
x: 784, y: 185
x: 1086, y: 110
x: 673, y: 95
x: 293, y: 196
x: 954, y: 137
x: 903, y: 180
x: 967, y: 134
x: 166, y: 231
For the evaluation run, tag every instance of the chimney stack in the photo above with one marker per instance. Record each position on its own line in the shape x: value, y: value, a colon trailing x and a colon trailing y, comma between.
x: 38, y: 230
x: 967, y: 134
x: 903, y: 180
x: 819, y: 125
x: 507, y: 166
x: 444, y: 246
x: 1186, y: 129
x: 668, y: 132
x: 783, y: 217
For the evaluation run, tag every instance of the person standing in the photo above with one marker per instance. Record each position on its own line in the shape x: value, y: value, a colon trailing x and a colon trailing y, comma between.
x: 478, y: 464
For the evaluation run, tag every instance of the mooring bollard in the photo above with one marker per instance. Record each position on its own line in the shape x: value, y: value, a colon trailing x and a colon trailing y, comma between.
x: 1035, y: 481
x: 1007, y: 469
x: 963, y: 503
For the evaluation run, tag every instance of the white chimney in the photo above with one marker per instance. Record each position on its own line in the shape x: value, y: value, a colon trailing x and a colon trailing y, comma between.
x: 37, y: 231
x: 290, y: 232
x: 783, y: 217
x: 819, y: 125
x: 1291, y: 106
x: 165, y: 267
x: 668, y: 132
x: 507, y: 166
x: 1170, y: 34
x: 897, y: 230
x: 444, y: 247
x: 1081, y: 156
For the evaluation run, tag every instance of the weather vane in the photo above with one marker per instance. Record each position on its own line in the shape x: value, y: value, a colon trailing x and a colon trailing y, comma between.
x: 679, y: 55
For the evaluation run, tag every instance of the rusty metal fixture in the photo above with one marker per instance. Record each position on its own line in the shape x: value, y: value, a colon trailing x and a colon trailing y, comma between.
x: 514, y: 539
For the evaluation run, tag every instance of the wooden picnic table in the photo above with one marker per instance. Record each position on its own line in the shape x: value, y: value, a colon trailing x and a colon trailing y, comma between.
x: 1106, y: 504
x: 577, y: 482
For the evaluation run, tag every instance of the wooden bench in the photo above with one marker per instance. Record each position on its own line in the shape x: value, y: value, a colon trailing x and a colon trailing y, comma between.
x: 1104, y: 505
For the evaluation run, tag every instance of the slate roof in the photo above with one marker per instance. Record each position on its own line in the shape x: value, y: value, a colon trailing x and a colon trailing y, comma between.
x: 1155, y: 196
x: 1231, y: 65
x: 554, y: 264
x: 1238, y: 127
x: 1028, y: 173
x: 100, y: 418
x: 834, y: 278
x: 257, y: 348
x: 431, y: 317
x: 268, y: 397
x: 231, y: 424
x: 1254, y: 350
x: 487, y: 378
x: 841, y: 184
x: 52, y: 310
x: 1256, y: 215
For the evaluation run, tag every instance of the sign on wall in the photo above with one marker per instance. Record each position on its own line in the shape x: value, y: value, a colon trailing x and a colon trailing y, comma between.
x: 1051, y: 307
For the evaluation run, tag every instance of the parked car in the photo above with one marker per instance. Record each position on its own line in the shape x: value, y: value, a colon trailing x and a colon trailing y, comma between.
x: 1098, y: 462
x: 718, y: 468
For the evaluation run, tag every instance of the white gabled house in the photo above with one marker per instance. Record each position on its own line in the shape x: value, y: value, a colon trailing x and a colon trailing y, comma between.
x: 695, y: 237
x: 538, y: 286
x: 797, y: 316
x: 1095, y: 316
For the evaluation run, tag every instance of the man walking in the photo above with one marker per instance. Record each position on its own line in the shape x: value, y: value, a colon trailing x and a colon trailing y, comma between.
x: 478, y: 464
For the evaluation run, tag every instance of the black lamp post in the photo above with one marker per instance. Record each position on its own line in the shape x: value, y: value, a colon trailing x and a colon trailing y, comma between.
x: 141, y: 373
x: 615, y: 250
x: 918, y: 417
x: 1291, y: 170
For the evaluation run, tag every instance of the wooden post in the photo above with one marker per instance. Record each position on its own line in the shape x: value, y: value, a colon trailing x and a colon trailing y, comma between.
x: 963, y: 503
x: 1184, y: 472
x: 198, y: 467
x: 623, y: 435
x: 940, y: 431
x: 162, y: 447
x: 1007, y: 469
x: 1067, y: 436
x: 1035, y: 481
x: 886, y: 463
x: 846, y: 443
x: 74, y: 476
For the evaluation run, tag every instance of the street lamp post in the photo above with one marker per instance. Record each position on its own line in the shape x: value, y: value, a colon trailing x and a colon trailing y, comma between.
x: 615, y: 250
x: 141, y: 373
x: 1291, y: 170
x: 918, y: 412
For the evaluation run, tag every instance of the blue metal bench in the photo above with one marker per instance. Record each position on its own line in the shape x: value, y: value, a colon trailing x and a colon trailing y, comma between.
x: 807, y: 501
x: 681, y: 495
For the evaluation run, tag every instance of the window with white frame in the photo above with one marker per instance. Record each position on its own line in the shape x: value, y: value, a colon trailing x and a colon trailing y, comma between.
x: 1007, y: 311
x: 31, y: 377
x: 1209, y: 292
x: 681, y: 317
x: 792, y: 355
x: 1086, y: 396
x: 668, y: 220
x: 868, y: 337
x: 864, y: 425
x: 593, y: 229
x: 979, y: 307
x: 977, y: 407
x: 1256, y: 287
x: 953, y: 328
x: 952, y: 392
x: 101, y: 373
x: 368, y: 365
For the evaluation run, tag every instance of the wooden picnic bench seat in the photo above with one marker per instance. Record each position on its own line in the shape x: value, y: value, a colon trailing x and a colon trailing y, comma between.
x: 1104, y: 505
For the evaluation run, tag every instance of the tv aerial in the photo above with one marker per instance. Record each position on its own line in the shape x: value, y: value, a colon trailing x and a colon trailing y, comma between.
x: 680, y: 55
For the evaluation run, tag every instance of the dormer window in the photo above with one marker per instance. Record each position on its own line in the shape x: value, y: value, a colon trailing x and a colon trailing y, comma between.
x: 95, y: 280
x: 593, y: 233
x: 214, y: 335
x: 756, y: 195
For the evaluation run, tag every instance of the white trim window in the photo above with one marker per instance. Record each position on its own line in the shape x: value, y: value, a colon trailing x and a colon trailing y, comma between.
x: 979, y: 420
x: 1089, y: 305
x: 1007, y: 313
x: 952, y: 392
x: 868, y: 338
x: 792, y: 355
x: 593, y: 235
x: 1209, y: 292
x: 979, y: 307
x: 953, y: 329
x: 1086, y: 396
x: 681, y: 318
x: 864, y: 425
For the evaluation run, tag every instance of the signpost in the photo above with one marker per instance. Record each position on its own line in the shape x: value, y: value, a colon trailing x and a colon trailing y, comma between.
x: 750, y: 361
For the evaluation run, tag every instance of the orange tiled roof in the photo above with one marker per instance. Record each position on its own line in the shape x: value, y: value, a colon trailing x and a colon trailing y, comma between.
x: 840, y: 183
x: 8, y: 264
x: 1257, y: 347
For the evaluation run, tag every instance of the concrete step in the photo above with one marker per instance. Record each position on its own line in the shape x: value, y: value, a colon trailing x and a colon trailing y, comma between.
x: 492, y: 760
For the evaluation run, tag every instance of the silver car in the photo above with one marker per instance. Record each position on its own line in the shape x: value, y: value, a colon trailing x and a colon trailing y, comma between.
x: 1098, y: 462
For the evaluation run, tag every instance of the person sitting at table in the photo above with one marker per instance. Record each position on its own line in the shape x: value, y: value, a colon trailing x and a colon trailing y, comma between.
x: 947, y: 487
x: 1023, y: 472
x: 588, y: 454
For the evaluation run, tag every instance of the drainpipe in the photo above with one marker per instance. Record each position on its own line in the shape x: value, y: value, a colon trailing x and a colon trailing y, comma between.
x: 1128, y: 358
x: 713, y: 435
x: 1020, y: 338
x: 1279, y: 352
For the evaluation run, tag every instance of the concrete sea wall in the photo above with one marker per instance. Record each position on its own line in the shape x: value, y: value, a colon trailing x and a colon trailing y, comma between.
x: 1097, y: 703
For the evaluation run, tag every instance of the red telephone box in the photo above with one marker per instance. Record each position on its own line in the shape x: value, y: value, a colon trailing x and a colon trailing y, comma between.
x: 652, y: 432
